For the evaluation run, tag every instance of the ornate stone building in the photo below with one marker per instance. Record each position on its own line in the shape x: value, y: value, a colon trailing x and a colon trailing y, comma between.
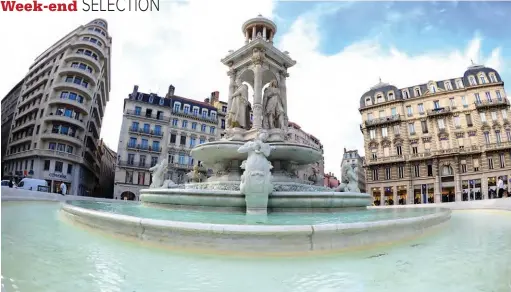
x: 9, y: 105
x: 60, y: 109
x: 441, y: 141
x: 108, y: 160
x: 155, y: 128
x: 355, y: 160
x: 298, y: 135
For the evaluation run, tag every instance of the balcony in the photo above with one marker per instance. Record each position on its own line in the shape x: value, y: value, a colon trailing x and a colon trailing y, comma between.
x: 192, y: 115
x: 80, y: 72
x: 439, y: 111
x: 140, y: 147
x: 73, y: 103
x: 82, y: 57
x: 498, y: 146
x: 66, y: 119
x: 384, y: 159
x: 152, y: 117
x: 84, y: 91
x: 485, y: 104
x: 132, y: 164
x: 71, y: 138
x: 418, y: 156
x: 146, y: 132
x: 383, y: 120
x: 91, y: 46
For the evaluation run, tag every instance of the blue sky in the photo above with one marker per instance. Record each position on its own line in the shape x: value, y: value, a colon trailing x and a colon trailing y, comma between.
x: 341, y: 49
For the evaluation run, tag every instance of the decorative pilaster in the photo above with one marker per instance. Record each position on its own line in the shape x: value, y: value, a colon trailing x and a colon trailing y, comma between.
x: 436, y: 187
x: 253, y: 33
x: 257, y: 107
x: 232, y: 84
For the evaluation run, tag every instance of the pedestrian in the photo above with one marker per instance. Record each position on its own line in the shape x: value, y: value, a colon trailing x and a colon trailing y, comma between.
x: 63, y: 188
x: 500, y: 187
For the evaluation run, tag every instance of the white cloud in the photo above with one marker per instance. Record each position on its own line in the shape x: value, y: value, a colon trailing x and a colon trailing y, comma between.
x: 183, y: 45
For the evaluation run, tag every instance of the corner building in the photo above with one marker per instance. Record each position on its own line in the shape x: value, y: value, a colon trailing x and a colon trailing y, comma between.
x: 57, y: 123
x: 155, y: 128
x: 442, y: 141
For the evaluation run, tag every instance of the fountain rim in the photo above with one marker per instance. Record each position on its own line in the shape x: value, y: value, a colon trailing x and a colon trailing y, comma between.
x: 199, y: 227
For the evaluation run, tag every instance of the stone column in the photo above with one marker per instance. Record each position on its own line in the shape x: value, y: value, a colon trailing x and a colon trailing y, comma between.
x: 394, y: 195
x: 253, y: 33
x: 437, y: 189
x: 283, y: 89
x: 247, y: 36
x: 264, y: 32
x: 257, y: 107
x: 457, y: 180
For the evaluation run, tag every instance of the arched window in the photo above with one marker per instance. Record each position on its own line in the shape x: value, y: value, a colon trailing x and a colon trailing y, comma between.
x: 162, y: 101
x: 417, y: 92
x: 448, y: 85
x: 493, y: 78
x: 368, y: 101
x: 391, y: 96
x: 447, y: 170
x: 472, y: 80
x: 482, y: 78
x: 405, y: 94
x: 379, y: 98
x: 432, y: 88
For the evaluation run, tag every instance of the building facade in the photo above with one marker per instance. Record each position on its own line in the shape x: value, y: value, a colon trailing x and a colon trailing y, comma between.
x: 331, y: 181
x: 155, y: 128
x: 108, y: 159
x: 60, y: 110
x: 9, y: 105
x: 297, y: 135
x: 357, y: 162
x: 441, y: 141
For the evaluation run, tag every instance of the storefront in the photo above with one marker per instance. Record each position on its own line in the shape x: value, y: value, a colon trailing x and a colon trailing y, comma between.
x: 471, y: 190
x: 423, y: 193
x: 55, y: 180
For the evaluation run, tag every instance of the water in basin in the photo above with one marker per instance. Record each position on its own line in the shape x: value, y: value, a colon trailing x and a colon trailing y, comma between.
x: 144, y: 211
x: 40, y: 252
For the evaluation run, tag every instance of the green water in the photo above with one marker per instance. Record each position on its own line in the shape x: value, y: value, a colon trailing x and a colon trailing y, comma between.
x: 143, y: 211
x: 42, y: 253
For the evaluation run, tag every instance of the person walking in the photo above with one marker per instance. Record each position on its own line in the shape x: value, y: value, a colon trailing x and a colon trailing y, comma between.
x: 63, y: 189
x: 500, y: 187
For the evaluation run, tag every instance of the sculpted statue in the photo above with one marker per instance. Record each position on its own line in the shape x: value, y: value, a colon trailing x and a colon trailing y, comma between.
x: 168, y: 183
x: 158, y: 173
x: 349, y: 179
x: 195, y: 175
x: 316, y: 178
x: 238, y: 113
x: 256, y: 180
x: 273, y: 108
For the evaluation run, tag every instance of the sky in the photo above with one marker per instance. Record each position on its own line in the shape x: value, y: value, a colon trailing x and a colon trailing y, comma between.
x: 341, y: 49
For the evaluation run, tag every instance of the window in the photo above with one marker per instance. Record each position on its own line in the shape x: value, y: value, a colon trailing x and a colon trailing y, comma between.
x: 463, y: 166
x: 478, y: 97
x: 46, y: 165
x: 174, y: 122
x: 498, y: 138
x: 409, y: 110
x: 141, y: 161
x: 173, y: 138
x: 186, y: 108
x: 388, y: 173
x: 405, y: 94
x: 416, y: 170
x: 52, y: 145
x: 417, y: 92
x: 131, y: 159
x: 157, y: 129
x: 448, y: 85
x: 374, y: 155
x: 384, y: 132
x: 441, y: 124
x: 468, y: 118
x: 457, y: 123
x: 203, y: 128
x: 390, y: 96
x: 424, y: 126
x: 145, y: 144
x: 82, y: 66
x: 420, y: 106
x: 138, y: 110
x: 132, y: 142
x: 154, y: 160
x: 490, y: 162
x: 141, y: 178
x: 184, y: 124
x: 59, y: 165
x: 194, y: 126
x: 61, y: 147
x: 497, y: 93
x: 436, y: 104
x: 212, y: 130
x: 444, y: 143
x: 401, y: 171
x: 432, y: 88
x: 181, y: 159
x: 508, y: 135
x: 177, y: 107
x: 397, y: 130
x: 161, y: 101
x: 182, y: 140
x: 375, y: 174
x: 381, y: 114
x: 482, y: 79
x: 202, y: 141
x: 192, y: 142
x: 129, y: 177
x: 393, y: 111
x: 213, y: 115
x: 430, y: 170
x: 452, y: 102
x: 379, y: 98
x: 77, y: 80
x: 494, y: 115
x: 487, y: 137
x: 386, y: 151
x: 472, y: 80
x: 488, y: 96
x: 195, y: 111
x: 204, y: 113
x: 415, y: 150
x: 483, y: 117
x: 459, y: 84
x: 502, y: 160
x: 156, y: 146
x: 464, y: 101
x: 151, y: 98
x: 493, y: 78
x: 370, y: 116
x: 368, y: 101
x: 134, y: 126
x: 399, y: 150
x: 411, y: 128
x: 372, y: 134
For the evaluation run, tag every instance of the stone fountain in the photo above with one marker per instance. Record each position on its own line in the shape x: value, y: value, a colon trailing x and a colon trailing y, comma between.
x: 254, y: 173
x: 254, y: 165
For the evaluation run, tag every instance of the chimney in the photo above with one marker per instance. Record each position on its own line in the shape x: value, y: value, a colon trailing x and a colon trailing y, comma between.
x: 171, y: 91
x: 206, y: 100
x: 215, y: 97
x: 135, y: 91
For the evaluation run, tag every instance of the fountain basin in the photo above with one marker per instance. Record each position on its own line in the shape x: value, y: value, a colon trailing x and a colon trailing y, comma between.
x: 234, y: 200
x: 223, y: 151
x: 251, y: 238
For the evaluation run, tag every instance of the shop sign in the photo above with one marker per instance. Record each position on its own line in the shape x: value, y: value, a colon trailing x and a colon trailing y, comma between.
x: 57, y: 175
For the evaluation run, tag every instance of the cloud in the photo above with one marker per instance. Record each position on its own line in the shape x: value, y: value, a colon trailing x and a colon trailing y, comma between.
x: 324, y: 91
x: 183, y: 44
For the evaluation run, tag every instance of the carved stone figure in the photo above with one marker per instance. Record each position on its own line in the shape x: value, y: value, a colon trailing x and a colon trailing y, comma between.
x: 256, y: 179
x: 273, y: 108
x: 168, y: 183
x: 238, y: 113
x: 316, y: 178
x: 257, y: 56
x: 349, y: 179
x: 158, y: 173
x: 195, y: 175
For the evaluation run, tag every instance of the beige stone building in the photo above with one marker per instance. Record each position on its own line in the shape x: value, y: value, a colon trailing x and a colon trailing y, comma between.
x: 9, y: 105
x: 60, y: 111
x: 297, y: 135
x: 155, y: 128
x: 447, y: 140
x: 354, y: 159
x: 108, y: 160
